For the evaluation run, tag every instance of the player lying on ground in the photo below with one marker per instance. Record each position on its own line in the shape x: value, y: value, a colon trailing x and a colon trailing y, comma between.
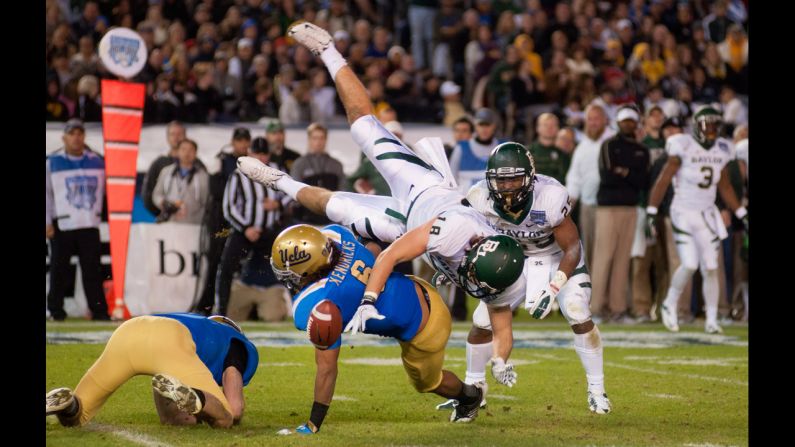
x: 199, y: 367
x: 534, y: 208
x: 697, y: 163
x: 457, y: 240
x: 331, y: 266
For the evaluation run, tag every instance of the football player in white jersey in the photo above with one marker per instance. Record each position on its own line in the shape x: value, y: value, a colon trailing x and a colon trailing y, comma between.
x: 534, y: 209
x: 456, y: 239
x: 697, y: 165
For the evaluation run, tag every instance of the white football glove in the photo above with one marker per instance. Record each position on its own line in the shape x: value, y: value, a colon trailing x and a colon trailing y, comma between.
x: 541, y: 305
x: 359, y: 321
x: 503, y: 372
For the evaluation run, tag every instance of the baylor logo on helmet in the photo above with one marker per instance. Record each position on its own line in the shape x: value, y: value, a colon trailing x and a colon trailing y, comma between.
x: 294, y: 258
x: 485, y: 248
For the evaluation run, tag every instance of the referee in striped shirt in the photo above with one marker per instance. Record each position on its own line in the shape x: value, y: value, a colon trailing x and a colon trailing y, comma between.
x: 252, y: 210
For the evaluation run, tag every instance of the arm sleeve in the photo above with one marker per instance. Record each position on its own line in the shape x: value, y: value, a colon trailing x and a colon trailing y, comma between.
x: 675, y: 147
x: 237, y: 356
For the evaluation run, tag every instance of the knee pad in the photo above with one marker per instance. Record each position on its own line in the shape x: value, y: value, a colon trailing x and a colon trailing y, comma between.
x: 574, y: 302
x: 480, y: 318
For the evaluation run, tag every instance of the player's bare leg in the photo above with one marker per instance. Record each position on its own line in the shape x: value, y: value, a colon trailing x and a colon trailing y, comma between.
x: 479, y: 351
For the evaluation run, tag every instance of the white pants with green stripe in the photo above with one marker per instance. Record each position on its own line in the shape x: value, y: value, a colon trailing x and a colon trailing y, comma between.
x: 574, y: 298
x: 369, y: 216
x: 407, y: 174
x: 697, y: 235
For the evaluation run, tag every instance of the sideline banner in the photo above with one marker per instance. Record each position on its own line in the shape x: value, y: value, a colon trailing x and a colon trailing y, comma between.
x: 165, y: 271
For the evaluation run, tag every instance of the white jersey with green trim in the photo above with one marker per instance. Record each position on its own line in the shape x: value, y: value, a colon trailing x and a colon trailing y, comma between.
x: 533, y: 226
x: 696, y: 181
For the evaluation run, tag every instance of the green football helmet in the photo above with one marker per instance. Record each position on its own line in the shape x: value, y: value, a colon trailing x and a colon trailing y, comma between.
x: 491, y: 265
x: 510, y: 161
x: 707, y: 124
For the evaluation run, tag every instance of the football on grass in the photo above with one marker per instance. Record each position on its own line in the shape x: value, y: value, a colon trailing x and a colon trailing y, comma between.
x: 325, y: 324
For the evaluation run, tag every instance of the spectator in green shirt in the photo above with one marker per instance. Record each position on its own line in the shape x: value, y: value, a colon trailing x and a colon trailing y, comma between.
x: 652, y: 127
x: 549, y: 159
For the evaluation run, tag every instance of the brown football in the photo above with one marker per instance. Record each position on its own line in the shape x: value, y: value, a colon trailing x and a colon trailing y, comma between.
x: 325, y: 324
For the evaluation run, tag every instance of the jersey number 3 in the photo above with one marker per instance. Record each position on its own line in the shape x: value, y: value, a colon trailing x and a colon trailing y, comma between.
x: 708, y: 173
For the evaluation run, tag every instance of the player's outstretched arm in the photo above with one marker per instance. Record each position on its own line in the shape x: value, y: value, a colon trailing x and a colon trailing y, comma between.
x: 664, y: 180
x: 325, y: 381
x: 568, y: 240
x: 232, y: 382
x: 502, y: 328
x: 408, y: 247
x: 658, y: 192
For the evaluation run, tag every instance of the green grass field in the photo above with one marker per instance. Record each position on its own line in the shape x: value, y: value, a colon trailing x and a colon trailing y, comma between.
x: 685, y: 389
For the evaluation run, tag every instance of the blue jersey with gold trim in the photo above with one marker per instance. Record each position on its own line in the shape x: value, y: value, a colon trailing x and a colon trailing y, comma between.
x: 212, y: 341
x: 345, y: 285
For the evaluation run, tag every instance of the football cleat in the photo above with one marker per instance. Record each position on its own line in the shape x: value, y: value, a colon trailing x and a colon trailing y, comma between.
x: 712, y: 328
x: 451, y: 403
x: 598, y: 403
x: 313, y: 37
x: 669, y: 317
x: 172, y: 389
x: 59, y: 400
x: 467, y: 413
x: 259, y: 171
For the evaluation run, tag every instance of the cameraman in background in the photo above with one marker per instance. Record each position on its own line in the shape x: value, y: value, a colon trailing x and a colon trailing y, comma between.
x: 182, y: 188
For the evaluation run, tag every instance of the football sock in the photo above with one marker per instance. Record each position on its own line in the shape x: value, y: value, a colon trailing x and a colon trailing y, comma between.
x: 477, y: 358
x: 711, y: 291
x: 289, y: 186
x: 333, y: 60
x: 468, y: 394
x: 678, y: 282
x: 589, y: 348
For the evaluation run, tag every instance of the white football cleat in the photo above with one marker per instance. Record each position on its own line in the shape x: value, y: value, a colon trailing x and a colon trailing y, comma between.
x: 670, y: 318
x: 313, y: 37
x: 598, y: 403
x: 712, y: 327
x: 259, y: 171
x: 59, y: 400
x: 172, y: 389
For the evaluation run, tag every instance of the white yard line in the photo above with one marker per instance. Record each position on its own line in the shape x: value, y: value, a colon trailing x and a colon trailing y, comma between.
x: 135, y: 437
x: 670, y: 373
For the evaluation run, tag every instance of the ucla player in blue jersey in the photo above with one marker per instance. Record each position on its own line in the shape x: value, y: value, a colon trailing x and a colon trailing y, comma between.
x: 331, y: 264
x: 199, y: 366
